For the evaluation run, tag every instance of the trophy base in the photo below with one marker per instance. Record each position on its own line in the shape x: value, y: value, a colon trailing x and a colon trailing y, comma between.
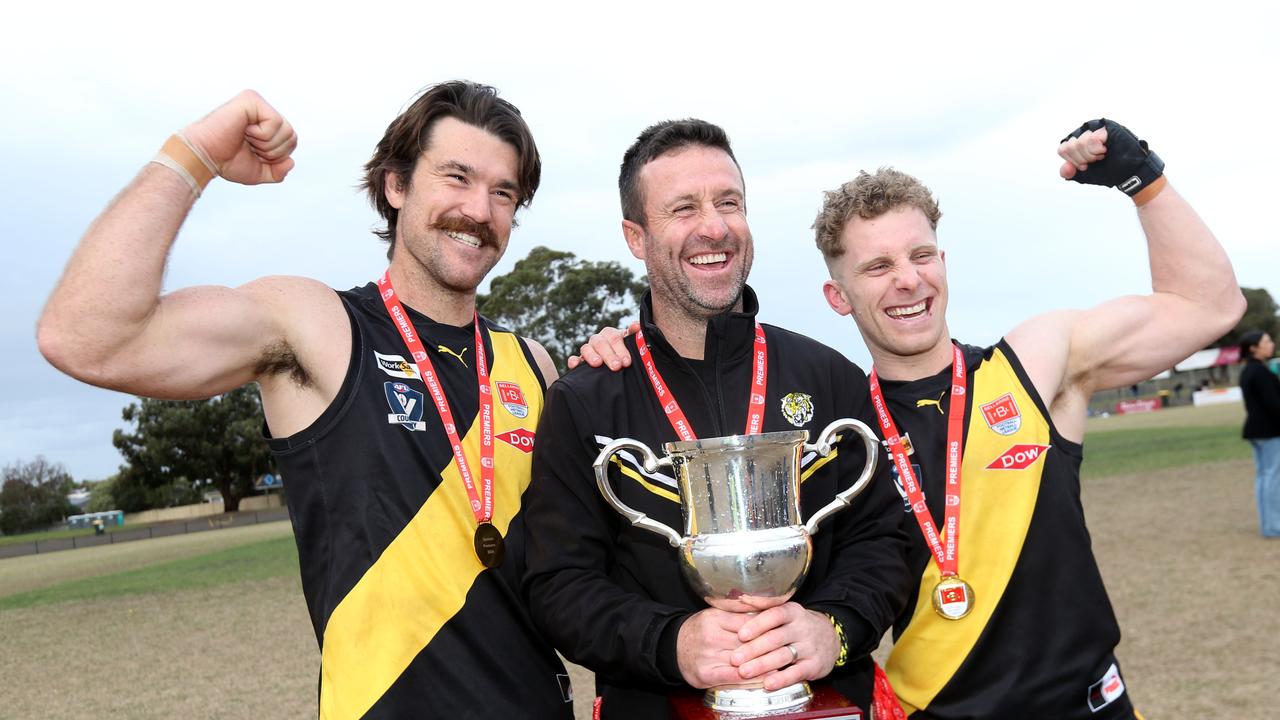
x: 754, y: 701
x: 825, y: 702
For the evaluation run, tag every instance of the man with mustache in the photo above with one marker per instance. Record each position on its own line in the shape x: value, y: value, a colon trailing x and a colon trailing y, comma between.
x: 611, y: 595
x: 404, y: 477
x: 1010, y: 618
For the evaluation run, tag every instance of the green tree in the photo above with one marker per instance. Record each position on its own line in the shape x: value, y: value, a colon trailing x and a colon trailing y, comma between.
x: 34, y: 495
x: 1260, y: 314
x: 101, y: 498
x: 558, y: 300
x: 178, y: 446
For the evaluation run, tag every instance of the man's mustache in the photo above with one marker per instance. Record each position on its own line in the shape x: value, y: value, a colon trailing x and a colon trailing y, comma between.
x: 468, y: 227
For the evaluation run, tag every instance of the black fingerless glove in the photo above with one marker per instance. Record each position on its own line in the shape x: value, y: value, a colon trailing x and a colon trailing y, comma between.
x: 1128, y: 165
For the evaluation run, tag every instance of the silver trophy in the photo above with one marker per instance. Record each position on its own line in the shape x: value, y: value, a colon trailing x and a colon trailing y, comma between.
x: 744, y: 547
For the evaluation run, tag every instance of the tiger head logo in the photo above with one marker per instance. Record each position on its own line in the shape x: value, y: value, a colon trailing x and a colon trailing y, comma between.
x: 797, y: 408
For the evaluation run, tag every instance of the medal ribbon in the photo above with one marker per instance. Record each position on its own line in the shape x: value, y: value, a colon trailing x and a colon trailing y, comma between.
x: 883, y: 700
x: 675, y: 416
x: 949, y: 557
x: 481, y: 500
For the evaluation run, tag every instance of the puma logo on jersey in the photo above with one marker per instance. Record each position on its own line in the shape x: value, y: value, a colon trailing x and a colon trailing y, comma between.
x: 443, y: 349
x: 926, y: 402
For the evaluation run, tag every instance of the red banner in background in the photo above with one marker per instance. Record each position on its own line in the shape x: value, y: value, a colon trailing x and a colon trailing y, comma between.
x: 1126, y: 407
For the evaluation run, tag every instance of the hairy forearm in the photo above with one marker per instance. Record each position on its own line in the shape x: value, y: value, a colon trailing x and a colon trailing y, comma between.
x: 111, y: 285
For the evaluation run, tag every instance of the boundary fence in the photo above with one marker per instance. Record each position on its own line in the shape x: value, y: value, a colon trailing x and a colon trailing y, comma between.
x: 181, y: 527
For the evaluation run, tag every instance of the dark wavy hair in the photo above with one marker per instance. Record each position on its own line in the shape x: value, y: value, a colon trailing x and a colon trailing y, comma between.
x: 409, y: 135
x: 656, y: 141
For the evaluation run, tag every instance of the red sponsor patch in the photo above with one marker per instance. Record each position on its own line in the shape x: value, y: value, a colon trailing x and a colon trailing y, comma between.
x: 1018, y: 457
x: 519, y: 438
x: 512, y: 398
x: 509, y: 392
x: 1002, y: 415
x: 953, y: 595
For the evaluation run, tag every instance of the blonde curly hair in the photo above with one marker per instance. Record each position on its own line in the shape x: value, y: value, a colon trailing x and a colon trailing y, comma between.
x: 869, y: 196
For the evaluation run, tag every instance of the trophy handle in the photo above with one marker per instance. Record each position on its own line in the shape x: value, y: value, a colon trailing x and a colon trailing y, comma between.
x: 651, y: 464
x: 823, y: 448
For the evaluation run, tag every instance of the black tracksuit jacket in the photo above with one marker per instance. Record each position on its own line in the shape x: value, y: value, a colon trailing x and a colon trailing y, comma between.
x: 611, y: 596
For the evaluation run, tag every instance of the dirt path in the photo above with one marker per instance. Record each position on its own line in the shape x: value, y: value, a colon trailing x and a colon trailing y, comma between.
x: 1194, y: 586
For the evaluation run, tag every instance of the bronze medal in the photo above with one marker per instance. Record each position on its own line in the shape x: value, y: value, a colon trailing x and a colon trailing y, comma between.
x: 952, y: 598
x: 489, y: 545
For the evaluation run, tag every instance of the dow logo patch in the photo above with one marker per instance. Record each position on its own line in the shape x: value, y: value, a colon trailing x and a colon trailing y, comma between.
x: 1002, y: 415
x: 406, y: 406
x: 1018, y: 457
x: 520, y: 439
x: 512, y: 399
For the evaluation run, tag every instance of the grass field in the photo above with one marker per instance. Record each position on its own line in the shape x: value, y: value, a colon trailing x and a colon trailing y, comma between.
x: 214, y: 625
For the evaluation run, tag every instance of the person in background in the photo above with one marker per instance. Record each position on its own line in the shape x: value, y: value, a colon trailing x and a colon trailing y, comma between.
x: 1261, y: 390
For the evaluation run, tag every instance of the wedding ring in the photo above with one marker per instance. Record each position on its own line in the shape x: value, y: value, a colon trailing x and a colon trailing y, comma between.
x: 795, y: 654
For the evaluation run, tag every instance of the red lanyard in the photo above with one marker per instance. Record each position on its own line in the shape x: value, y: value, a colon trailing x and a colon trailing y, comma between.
x: 680, y: 423
x: 884, y: 700
x: 948, y: 559
x: 481, y: 506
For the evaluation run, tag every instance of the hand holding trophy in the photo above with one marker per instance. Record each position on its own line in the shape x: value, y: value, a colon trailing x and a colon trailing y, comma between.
x: 744, y: 547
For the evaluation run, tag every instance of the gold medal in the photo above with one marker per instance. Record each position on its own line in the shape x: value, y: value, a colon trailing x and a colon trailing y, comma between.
x: 952, y: 598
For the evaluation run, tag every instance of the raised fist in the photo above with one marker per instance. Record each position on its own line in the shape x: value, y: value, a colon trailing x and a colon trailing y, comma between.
x: 1104, y: 152
x: 247, y: 140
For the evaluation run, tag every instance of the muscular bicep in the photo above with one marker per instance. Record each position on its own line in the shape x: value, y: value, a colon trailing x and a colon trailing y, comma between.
x: 1133, y: 338
x: 201, y: 341
x: 1070, y: 354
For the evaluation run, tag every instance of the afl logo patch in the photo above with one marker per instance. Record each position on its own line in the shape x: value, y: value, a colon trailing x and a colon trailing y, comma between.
x: 797, y: 408
x: 512, y: 399
x: 1002, y: 415
x: 406, y: 406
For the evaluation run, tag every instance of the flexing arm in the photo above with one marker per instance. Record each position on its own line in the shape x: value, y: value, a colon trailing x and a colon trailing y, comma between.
x: 1194, y: 300
x: 106, y: 322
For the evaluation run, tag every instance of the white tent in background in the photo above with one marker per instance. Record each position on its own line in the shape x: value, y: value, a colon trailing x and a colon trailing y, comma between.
x: 1212, y: 357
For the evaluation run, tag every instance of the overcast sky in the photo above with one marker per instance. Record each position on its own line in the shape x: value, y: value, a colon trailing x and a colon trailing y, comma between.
x: 971, y: 98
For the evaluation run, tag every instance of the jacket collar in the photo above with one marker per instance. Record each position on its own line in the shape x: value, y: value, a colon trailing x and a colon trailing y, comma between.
x: 729, y: 335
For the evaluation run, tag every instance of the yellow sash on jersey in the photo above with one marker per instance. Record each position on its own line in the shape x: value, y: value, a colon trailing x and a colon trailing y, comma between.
x: 422, y: 579
x: 995, y: 512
